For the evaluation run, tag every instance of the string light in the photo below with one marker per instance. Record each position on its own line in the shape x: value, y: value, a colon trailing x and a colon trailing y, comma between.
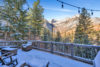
x: 91, y: 12
x: 27, y: 5
x: 79, y: 8
x: 62, y: 5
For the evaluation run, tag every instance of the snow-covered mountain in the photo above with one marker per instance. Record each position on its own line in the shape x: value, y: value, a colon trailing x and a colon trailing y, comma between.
x: 69, y: 24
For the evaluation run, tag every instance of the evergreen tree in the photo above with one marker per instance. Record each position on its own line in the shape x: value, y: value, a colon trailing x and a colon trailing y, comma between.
x: 98, y: 37
x: 35, y: 17
x: 58, y: 37
x: 13, y: 12
x: 46, y: 35
x: 84, y: 28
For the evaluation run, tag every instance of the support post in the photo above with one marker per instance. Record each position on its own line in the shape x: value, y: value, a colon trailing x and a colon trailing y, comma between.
x: 51, y: 47
x: 72, y: 50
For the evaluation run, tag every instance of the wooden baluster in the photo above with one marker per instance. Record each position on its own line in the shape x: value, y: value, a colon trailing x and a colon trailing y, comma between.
x: 72, y: 50
x: 51, y: 47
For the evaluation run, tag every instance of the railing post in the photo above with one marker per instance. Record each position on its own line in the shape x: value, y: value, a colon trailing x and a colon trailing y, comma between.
x: 72, y: 50
x: 33, y: 43
x: 64, y: 48
x: 39, y: 44
x: 45, y: 45
x: 51, y: 47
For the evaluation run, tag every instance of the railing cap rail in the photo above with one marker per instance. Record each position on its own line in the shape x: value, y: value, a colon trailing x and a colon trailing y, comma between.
x: 49, y: 42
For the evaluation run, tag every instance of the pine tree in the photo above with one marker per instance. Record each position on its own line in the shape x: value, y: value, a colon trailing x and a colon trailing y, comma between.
x: 13, y: 12
x: 58, y: 37
x: 84, y: 28
x: 35, y: 16
x: 44, y: 35
x: 98, y: 37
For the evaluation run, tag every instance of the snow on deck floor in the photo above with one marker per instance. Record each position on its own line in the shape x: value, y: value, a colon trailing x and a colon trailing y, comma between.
x: 37, y: 57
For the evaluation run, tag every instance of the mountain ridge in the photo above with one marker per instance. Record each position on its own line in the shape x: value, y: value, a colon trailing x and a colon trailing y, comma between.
x: 69, y: 24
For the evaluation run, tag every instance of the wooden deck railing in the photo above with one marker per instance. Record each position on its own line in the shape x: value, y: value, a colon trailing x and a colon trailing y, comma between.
x: 11, y: 43
x: 84, y: 53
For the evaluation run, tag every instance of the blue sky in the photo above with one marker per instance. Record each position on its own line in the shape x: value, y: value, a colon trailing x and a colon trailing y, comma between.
x: 53, y: 10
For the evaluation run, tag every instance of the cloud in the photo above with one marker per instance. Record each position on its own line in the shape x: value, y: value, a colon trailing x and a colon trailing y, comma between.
x: 61, y: 10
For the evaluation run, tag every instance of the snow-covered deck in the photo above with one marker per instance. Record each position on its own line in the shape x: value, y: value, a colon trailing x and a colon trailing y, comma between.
x: 39, y: 58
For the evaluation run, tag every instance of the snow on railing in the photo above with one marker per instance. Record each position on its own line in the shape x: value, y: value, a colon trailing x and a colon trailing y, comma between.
x: 84, y: 53
x: 11, y: 43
